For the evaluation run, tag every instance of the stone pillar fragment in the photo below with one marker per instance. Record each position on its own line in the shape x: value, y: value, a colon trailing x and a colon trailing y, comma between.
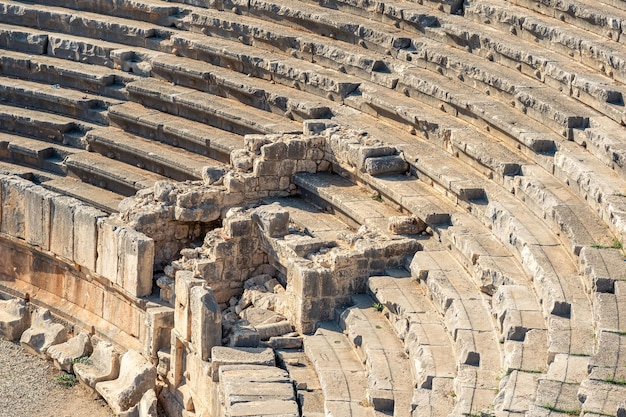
x: 206, y: 321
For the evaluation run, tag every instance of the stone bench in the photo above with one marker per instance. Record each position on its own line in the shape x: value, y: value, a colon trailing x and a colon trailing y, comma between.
x: 136, y: 377
x: 219, y: 112
x: 387, y: 365
x: 31, y: 152
x: 582, y: 45
x: 14, y: 318
x: 423, y: 333
x: 175, y: 163
x: 42, y: 334
x: 574, y: 221
x: 284, y: 70
x: 250, y: 91
x: 104, y: 200
x: 75, y: 75
x: 176, y: 131
x: 89, y: 25
x: 340, y: 372
x: 41, y: 125
x: 347, y: 199
x: 71, y: 103
x: 103, y: 365
x: 607, y: 142
x: 583, y: 14
x: 106, y: 173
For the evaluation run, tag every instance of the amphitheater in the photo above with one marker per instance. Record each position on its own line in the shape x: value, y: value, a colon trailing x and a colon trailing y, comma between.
x: 298, y: 208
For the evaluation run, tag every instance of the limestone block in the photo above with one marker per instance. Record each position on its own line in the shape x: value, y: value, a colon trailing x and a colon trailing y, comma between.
x: 147, y: 407
x: 37, y: 216
x: 103, y: 365
x: 558, y: 394
x: 256, y: 316
x: 86, y: 235
x: 62, y: 226
x: 182, y: 317
x: 221, y: 355
x: 268, y: 330
x: 14, y: 318
x: 13, y: 206
x: 602, y: 268
x: 405, y: 225
x: 65, y: 353
x: 244, y: 336
x: 381, y: 165
x: 106, y: 263
x: 42, y: 334
x: 212, y: 174
x: 272, y: 219
x: 286, y: 342
x: 158, y: 325
x: 518, y: 392
x: 206, y: 321
x: 137, y: 376
x: 135, y: 262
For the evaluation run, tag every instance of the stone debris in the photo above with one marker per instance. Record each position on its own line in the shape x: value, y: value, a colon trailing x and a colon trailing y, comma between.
x: 14, y: 318
x: 136, y: 377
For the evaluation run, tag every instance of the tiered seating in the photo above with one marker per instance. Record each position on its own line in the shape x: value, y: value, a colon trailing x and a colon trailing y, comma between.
x: 516, y: 152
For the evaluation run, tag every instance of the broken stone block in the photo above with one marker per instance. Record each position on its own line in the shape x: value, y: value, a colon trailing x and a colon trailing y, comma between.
x: 222, y: 355
x: 256, y: 316
x: 406, y: 225
x: 244, y: 336
x: 273, y: 329
x: 147, y: 407
x: 272, y: 219
x: 14, y: 318
x: 212, y: 175
x: 42, y: 334
x: 185, y: 281
x: 206, y: 321
x: 64, y: 354
x: 392, y: 164
x: 137, y: 376
x: 103, y: 365
x: 286, y: 342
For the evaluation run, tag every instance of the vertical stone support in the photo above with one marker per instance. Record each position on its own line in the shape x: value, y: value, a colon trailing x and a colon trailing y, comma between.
x: 13, y: 213
x: 159, y: 323
x: 135, y: 254
x: 185, y: 281
x: 106, y: 264
x: 86, y: 236
x: 37, y: 216
x: 62, y: 226
x: 206, y: 321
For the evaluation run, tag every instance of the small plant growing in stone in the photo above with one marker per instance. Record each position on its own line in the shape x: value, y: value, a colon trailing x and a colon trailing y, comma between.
x: 83, y: 359
x: 378, y: 307
x: 66, y: 380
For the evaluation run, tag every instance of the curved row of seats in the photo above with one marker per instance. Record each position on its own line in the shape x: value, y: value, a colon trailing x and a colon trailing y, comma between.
x: 520, y: 139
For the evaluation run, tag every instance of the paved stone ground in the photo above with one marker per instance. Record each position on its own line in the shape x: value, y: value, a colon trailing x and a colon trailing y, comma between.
x: 28, y: 388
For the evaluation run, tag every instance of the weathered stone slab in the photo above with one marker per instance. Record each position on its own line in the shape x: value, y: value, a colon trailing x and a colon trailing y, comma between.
x: 14, y: 318
x: 185, y: 281
x: 64, y: 354
x: 147, y: 407
x: 103, y: 365
x: 62, y: 226
x: 221, y: 355
x: 42, y: 334
x: 206, y: 321
x: 137, y: 376
x: 135, y: 262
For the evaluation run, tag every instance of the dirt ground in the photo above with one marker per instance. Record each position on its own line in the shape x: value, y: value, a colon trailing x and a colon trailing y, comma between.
x: 31, y: 387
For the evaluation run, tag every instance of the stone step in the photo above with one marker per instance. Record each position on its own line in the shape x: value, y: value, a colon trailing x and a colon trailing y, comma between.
x: 571, y: 219
x: 88, y: 25
x: 289, y: 71
x: 387, y: 365
x: 42, y: 125
x: 28, y: 173
x: 104, y: 200
x: 340, y: 372
x: 586, y: 15
x: 582, y: 45
x: 163, y: 159
x: 32, y: 152
x: 350, y: 29
x: 340, y: 196
x: 607, y: 142
x: 250, y: 91
x: 195, y: 137
x: 308, y: 387
x: 109, y: 174
x: 56, y: 99
x: 597, y: 184
x: 219, y: 112
x: 93, y: 79
x: 152, y: 11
